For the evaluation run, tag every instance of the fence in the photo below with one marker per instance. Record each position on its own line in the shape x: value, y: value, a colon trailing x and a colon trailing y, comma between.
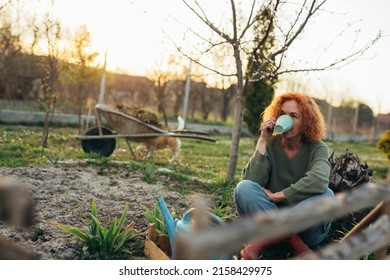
x: 204, y: 244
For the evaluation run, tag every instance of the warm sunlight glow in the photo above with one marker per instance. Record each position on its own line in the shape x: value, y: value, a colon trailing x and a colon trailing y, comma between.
x: 136, y: 33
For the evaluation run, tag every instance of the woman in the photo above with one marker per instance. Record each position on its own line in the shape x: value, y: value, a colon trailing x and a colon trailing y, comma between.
x: 286, y: 170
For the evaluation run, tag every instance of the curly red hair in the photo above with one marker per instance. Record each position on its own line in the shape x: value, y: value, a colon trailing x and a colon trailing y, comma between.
x: 313, y: 125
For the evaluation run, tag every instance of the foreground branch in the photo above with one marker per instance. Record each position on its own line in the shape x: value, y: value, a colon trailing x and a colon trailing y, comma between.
x: 375, y: 237
x: 204, y: 244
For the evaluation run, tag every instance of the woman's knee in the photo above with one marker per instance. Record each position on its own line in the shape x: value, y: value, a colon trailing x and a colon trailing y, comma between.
x: 250, y: 198
x: 246, y: 188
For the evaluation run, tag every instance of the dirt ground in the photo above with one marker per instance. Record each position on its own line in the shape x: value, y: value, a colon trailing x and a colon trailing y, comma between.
x: 64, y: 195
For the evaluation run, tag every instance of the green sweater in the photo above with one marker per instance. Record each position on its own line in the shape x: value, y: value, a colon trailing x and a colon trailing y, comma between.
x: 299, y: 178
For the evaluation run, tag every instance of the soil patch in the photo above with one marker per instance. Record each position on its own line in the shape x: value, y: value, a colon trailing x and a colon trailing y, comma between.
x: 65, y: 194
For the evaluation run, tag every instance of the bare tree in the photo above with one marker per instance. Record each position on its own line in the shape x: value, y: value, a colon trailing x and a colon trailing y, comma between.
x: 84, y: 71
x: 226, y: 96
x: 10, y: 49
x: 250, y: 50
x: 208, y: 99
x: 52, y: 36
x: 161, y: 75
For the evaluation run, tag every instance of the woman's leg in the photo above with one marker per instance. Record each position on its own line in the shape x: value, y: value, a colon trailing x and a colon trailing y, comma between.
x: 250, y: 199
x: 314, y: 235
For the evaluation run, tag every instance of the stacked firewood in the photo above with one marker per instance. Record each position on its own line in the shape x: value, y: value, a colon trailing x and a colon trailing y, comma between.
x: 347, y: 173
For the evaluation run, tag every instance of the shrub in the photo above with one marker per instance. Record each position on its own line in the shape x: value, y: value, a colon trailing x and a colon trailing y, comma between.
x: 150, y: 172
x: 384, y: 143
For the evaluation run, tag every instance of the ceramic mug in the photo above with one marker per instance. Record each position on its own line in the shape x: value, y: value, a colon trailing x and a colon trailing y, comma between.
x: 283, y: 124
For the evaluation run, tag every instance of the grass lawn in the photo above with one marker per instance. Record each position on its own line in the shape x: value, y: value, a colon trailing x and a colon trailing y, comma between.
x: 20, y: 146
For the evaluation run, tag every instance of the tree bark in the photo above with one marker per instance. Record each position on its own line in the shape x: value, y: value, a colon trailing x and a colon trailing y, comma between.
x: 375, y: 237
x: 237, y: 120
x: 236, y: 132
x: 45, y: 132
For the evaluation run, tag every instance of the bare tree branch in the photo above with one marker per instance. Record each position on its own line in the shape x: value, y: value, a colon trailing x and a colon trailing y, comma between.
x: 234, y: 16
x: 206, y: 21
x: 195, y: 60
x: 205, y: 244
x: 250, y: 21
x: 259, y: 74
x: 331, y: 66
x: 4, y: 5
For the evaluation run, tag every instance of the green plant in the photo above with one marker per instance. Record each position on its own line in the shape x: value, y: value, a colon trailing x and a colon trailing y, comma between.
x: 154, y: 216
x: 52, y: 158
x: 150, y: 171
x: 226, y: 213
x: 37, y: 233
x: 97, y: 160
x: 102, y: 242
x: 384, y: 143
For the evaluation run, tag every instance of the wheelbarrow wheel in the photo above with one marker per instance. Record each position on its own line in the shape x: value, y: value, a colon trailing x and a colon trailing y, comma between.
x: 102, y: 147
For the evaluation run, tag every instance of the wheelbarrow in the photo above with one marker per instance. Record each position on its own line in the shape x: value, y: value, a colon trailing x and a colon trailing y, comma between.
x: 101, y: 140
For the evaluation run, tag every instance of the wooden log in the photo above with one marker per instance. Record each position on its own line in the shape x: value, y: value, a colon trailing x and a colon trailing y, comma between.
x: 134, y: 137
x: 16, y: 203
x: 206, y: 243
x: 365, y: 242
x: 381, y: 253
x: 12, y: 251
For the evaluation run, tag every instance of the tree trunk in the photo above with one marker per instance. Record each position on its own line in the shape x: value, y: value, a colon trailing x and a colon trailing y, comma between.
x: 79, y: 105
x: 45, y: 131
x: 226, y: 96
x: 237, y: 120
x: 161, y: 109
x: 178, y: 102
x: 236, y: 132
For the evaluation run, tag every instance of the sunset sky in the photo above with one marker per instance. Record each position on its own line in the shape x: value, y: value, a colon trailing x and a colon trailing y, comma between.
x: 134, y: 34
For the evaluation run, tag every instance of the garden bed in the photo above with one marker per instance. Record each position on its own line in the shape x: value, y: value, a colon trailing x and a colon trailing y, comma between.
x: 65, y: 194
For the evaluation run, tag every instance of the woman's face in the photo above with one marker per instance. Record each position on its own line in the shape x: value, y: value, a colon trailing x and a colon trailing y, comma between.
x: 290, y: 107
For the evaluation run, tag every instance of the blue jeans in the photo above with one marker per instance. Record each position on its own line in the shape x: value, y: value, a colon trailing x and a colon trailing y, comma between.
x: 250, y: 199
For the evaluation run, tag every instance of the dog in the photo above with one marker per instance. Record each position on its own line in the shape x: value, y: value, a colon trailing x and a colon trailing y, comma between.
x: 163, y: 142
